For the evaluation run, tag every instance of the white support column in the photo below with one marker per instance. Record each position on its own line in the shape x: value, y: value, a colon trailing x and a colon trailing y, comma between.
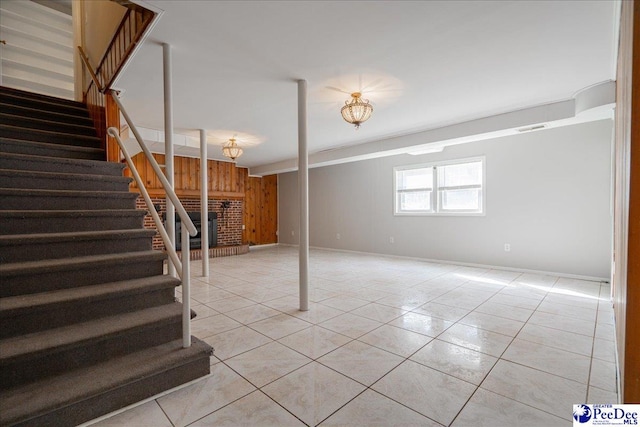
x: 303, y: 189
x: 204, y: 204
x: 186, y: 289
x: 168, y: 146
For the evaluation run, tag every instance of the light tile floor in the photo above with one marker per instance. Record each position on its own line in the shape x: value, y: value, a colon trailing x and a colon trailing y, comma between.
x: 389, y: 341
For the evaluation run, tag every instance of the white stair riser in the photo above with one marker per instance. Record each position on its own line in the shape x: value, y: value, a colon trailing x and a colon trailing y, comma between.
x: 38, y: 13
x: 30, y: 86
x: 34, y: 28
x: 28, y: 41
x: 37, y: 60
x: 39, y: 52
x: 38, y: 75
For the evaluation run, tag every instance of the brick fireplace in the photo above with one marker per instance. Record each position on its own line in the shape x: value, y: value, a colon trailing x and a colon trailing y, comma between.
x: 229, y: 218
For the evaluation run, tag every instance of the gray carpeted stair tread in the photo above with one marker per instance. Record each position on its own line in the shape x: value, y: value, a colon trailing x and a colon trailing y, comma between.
x: 70, y: 213
x: 50, y: 341
x: 65, y: 175
x: 57, y: 265
x: 7, y: 93
x: 38, y: 113
x: 42, y: 221
x: 24, y: 314
x: 43, y: 102
x: 36, y: 199
x: 11, y: 178
x: 53, y: 137
x: 46, y: 124
x: 35, y: 192
x: 59, y: 164
x: 32, y: 400
x: 12, y: 306
x: 74, y: 214
x: 41, y: 246
x: 39, y: 238
x: 31, y: 277
x: 78, y: 110
x: 18, y: 146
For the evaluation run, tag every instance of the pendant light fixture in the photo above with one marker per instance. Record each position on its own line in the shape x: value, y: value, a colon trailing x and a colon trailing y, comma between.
x: 231, y: 149
x: 356, y: 110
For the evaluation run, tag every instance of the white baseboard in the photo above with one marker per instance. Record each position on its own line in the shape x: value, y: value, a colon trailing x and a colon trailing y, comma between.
x: 265, y: 246
x: 466, y: 264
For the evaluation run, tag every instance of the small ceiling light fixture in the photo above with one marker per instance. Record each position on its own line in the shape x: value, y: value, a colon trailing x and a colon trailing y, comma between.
x: 231, y: 149
x: 530, y: 128
x: 356, y: 110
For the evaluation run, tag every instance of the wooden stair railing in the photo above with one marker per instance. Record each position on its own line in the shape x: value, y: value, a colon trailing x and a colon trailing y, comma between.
x: 128, y: 35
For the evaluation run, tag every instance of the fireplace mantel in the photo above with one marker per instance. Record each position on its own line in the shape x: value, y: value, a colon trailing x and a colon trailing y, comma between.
x: 153, y: 192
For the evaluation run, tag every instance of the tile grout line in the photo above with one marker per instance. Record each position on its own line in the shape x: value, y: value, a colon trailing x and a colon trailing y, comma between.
x: 369, y: 302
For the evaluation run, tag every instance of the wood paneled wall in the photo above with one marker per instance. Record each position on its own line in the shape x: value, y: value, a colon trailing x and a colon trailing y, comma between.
x: 95, y: 104
x: 259, y: 195
x: 225, y: 179
x: 112, y: 117
x: 261, y: 210
x: 632, y: 357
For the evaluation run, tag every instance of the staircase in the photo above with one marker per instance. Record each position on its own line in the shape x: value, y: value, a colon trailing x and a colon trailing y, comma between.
x: 89, y: 322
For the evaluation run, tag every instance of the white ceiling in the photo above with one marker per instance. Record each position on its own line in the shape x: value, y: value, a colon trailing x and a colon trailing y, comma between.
x: 422, y: 64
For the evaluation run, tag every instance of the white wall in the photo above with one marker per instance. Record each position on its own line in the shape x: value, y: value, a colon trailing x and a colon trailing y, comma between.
x: 547, y: 195
x: 101, y: 19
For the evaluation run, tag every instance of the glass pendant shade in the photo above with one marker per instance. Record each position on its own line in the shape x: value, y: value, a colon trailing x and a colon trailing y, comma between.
x: 231, y: 150
x: 356, y: 110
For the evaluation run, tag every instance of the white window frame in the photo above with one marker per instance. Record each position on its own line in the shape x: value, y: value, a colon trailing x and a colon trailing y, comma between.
x: 436, y: 194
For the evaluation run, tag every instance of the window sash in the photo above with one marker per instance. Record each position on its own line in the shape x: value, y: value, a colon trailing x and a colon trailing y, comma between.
x: 459, y: 187
x: 437, y: 192
x: 461, y: 174
x: 403, y: 182
x: 413, y: 190
x: 429, y: 199
x: 442, y: 205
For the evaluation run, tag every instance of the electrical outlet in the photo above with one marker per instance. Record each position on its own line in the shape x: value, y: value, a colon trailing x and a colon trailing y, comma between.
x: 507, y: 247
x: 392, y: 240
x: 337, y: 236
x: 293, y: 233
x: 244, y: 227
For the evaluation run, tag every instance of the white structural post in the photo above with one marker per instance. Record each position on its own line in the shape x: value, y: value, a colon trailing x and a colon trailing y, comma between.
x: 204, y: 204
x: 303, y: 189
x: 186, y: 289
x: 168, y: 146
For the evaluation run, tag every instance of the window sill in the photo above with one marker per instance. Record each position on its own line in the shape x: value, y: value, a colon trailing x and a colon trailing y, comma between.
x: 439, y: 214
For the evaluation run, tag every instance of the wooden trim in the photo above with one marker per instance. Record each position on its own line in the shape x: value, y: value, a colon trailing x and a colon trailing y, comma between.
x: 112, y: 116
x: 85, y: 61
x: 130, y: 5
x: 158, y: 192
x: 95, y: 104
x: 631, y: 390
